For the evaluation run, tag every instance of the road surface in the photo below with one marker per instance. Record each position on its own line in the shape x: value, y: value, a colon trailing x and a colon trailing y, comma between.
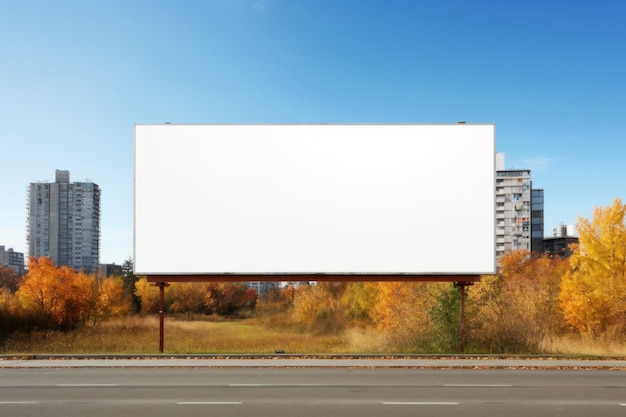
x: 304, y: 392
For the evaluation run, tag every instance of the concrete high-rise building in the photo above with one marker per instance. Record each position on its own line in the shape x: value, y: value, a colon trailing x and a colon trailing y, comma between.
x: 64, y: 222
x: 519, y: 210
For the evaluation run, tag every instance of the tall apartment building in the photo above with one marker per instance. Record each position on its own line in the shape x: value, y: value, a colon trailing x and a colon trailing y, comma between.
x: 519, y: 210
x: 64, y: 222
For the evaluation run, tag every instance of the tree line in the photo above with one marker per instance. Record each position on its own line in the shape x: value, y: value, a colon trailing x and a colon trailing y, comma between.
x: 532, y: 300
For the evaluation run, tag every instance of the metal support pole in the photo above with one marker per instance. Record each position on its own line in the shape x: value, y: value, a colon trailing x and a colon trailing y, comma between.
x: 161, y: 286
x: 462, y: 318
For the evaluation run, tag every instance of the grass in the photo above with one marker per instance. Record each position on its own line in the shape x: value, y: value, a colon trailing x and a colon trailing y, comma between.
x: 586, y: 346
x: 140, y: 335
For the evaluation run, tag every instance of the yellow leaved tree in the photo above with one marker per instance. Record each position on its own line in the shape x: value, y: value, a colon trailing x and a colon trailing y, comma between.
x: 60, y: 297
x: 593, y: 293
x: 401, y: 312
x: 516, y: 311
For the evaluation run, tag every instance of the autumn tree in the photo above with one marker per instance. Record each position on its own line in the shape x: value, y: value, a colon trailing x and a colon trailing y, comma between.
x: 401, y: 312
x: 188, y: 298
x: 517, y: 309
x: 593, y: 294
x: 11, y: 313
x: 45, y: 291
x: 319, y: 306
x: 226, y: 298
x: 9, y: 278
x: 112, y: 299
x: 63, y: 298
x: 358, y: 300
x: 149, y: 296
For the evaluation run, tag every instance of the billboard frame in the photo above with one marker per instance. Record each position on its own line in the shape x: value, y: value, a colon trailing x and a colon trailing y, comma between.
x: 453, y: 274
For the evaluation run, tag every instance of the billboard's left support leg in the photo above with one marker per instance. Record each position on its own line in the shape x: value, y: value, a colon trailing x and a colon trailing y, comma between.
x: 461, y: 286
x: 161, y: 286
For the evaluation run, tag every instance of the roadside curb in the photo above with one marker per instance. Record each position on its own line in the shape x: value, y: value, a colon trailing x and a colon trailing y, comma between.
x: 312, y: 361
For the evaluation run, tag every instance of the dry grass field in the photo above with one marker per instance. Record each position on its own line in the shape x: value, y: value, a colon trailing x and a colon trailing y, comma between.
x: 140, y: 335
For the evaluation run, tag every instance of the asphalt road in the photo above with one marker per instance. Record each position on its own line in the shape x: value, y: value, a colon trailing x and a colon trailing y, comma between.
x: 304, y: 392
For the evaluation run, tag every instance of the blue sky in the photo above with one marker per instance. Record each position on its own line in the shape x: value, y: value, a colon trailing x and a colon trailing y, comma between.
x: 76, y: 76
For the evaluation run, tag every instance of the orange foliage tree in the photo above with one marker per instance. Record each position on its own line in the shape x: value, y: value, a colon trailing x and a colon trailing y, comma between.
x: 401, y: 312
x: 358, y: 300
x: 148, y: 296
x: 319, y: 306
x: 8, y: 278
x: 63, y: 298
x: 517, y: 310
x: 593, y: 294
x: 226, y: 298
x: 188, y: 298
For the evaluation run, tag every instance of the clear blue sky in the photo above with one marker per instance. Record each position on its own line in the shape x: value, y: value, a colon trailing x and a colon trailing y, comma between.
x: 75, y: 76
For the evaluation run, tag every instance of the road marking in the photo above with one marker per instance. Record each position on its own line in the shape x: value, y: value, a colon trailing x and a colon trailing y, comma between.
x: 477, y: 385
x: 281, y: 385
x: 19, y: 402
x: 209, y: 403
x: 623, y: 404
x: 419, y: 403
x: 86, y: 385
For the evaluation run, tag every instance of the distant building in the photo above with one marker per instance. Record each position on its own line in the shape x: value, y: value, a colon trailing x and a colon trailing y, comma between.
x: 12, y: 259
x: 564, y: 230
x: 263, y: 288
x: 536, y: 220
x: 109, y: 270
x: 519, y: 210
x: 559, y: 244
x: 64, y: 222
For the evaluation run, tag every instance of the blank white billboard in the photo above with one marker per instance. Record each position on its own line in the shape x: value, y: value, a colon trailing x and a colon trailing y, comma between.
x: 314, y: 199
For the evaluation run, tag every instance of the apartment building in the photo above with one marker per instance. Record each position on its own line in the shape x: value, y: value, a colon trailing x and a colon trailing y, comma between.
x: 519, y: 210
x: 64, y: 222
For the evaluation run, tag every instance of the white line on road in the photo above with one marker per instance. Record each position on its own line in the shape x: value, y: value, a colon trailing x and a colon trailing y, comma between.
x: 18, y: 402
x: 86, y: 385
x: 477, y: 385
x: 209, y: 403
x: 418, y: 403
x: 281, y: 385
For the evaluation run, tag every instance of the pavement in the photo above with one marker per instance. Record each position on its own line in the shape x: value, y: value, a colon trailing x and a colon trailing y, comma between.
x: 302, y: 361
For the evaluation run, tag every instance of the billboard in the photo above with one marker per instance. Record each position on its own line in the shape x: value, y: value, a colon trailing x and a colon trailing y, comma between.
x: 275, y: 200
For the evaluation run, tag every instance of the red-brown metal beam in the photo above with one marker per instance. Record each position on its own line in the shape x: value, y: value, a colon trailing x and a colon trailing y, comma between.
x: 313, y: 277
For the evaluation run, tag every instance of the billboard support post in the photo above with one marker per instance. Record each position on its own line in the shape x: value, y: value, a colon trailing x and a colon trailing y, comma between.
x: 161, y: 286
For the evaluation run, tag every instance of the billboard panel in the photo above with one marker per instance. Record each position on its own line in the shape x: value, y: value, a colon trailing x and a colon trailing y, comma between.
x: 314, y: 199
